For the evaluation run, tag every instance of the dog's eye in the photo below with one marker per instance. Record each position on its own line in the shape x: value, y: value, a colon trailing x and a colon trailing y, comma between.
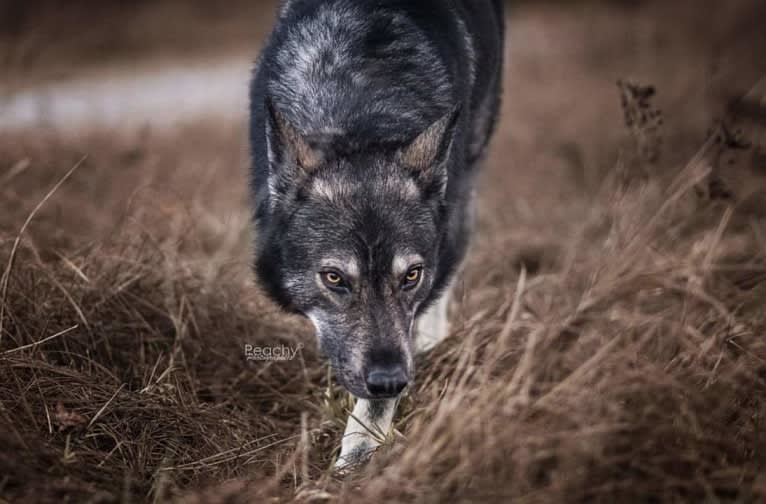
x: 412, y: 278
x: 333, y: 280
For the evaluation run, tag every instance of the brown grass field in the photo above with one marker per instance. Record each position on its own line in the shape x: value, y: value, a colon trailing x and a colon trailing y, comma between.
x: 608, y: 338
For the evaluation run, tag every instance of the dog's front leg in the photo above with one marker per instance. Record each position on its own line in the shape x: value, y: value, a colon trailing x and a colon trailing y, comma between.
x: 366, y: 429
x: 433, y: 325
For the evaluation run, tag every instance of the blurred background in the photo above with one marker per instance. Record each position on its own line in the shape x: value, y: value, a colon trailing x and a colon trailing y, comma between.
x: 627, y: 177
x: 153, y: 61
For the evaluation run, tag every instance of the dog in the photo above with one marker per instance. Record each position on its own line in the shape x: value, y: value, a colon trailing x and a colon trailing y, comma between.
x: 368, y: 120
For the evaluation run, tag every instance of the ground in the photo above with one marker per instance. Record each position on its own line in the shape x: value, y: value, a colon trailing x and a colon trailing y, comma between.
x: 607, y: 339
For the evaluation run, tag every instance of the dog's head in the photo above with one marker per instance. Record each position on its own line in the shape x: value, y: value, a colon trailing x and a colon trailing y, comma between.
x: 353, y: 243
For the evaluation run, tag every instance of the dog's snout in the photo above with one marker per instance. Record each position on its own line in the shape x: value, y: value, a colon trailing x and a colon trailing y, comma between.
x: 386, y: 381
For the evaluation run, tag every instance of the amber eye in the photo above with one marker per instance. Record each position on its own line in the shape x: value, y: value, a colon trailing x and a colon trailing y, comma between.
x: 412, y: 278
x: 334, y: 281
x: 332, y: 278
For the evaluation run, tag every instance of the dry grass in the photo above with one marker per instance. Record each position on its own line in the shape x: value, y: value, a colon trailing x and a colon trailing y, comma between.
x: 608, y: 337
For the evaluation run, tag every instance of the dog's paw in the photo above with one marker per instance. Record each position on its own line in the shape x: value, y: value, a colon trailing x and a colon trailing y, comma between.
x: 354, y: 455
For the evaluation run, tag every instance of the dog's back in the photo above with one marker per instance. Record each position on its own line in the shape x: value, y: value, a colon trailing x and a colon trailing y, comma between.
x: 358, y: 73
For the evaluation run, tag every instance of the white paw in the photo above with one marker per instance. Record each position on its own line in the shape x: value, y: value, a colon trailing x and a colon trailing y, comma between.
x: 355, y: 454
x: 367, y: 428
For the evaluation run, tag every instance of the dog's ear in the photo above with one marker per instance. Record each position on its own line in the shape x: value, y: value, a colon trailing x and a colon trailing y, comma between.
x: 427, y: 153
x: 287, y: 147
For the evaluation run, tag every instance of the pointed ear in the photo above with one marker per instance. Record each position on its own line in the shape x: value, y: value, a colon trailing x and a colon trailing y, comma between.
x: 432, y: 146
x: 287, y: 145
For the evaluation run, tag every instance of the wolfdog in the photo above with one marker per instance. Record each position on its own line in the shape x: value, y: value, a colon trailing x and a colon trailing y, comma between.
x: 368, y: 121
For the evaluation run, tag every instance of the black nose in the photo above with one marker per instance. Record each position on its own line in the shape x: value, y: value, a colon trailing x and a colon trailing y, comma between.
x: 386, y: 381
